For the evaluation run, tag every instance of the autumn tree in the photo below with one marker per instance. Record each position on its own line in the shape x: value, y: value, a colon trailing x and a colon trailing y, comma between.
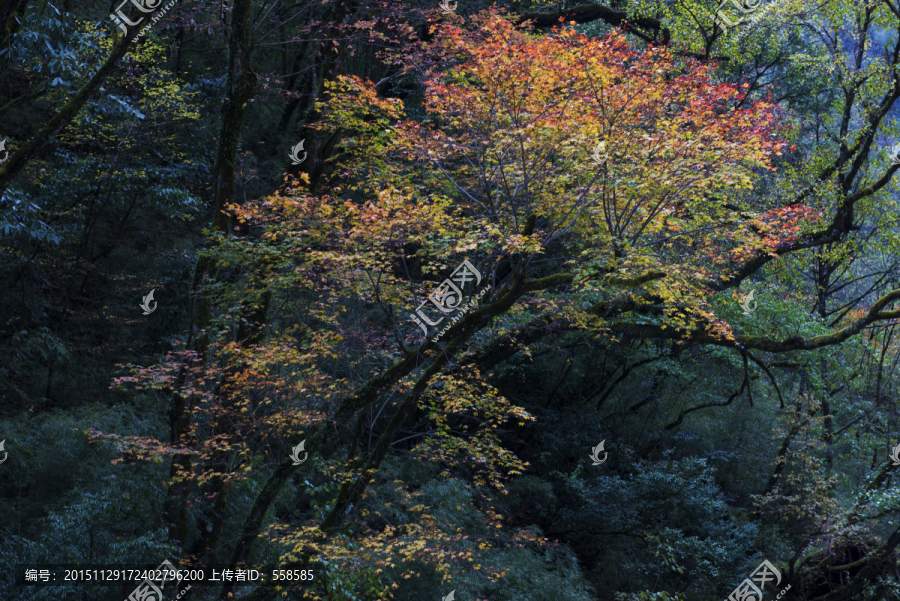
x: 551, y: 163
x: 597, y: 186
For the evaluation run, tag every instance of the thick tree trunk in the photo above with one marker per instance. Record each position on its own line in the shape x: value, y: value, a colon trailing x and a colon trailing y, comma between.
x: 250, y: 332
x: 182, y: 407
x: 240, y: 88
x: 320, y: 143
x: 320, y: 146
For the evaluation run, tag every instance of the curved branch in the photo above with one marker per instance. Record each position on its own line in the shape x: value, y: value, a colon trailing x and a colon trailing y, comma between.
x: 587, y: 13
x: 762, y: 343
x: 621, y: 377
x: 744, y: 384
x: 771, y: 377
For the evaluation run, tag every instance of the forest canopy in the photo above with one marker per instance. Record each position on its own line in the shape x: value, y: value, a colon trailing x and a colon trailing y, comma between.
x: 450, y: 301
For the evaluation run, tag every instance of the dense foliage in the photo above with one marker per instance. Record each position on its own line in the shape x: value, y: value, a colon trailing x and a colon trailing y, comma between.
x: 452, y: 301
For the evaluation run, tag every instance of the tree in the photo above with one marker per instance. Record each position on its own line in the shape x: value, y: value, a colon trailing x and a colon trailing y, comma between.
x: 514, y: 126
